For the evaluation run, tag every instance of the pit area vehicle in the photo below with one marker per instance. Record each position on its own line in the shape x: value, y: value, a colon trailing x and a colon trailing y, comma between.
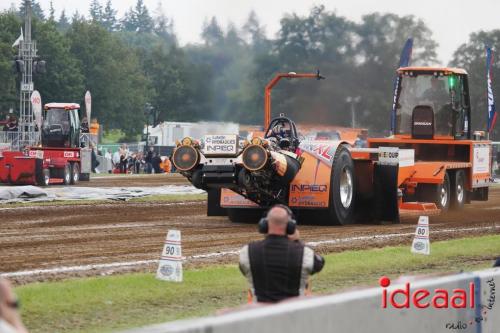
x: 432, y: 162
x: 58, y: 160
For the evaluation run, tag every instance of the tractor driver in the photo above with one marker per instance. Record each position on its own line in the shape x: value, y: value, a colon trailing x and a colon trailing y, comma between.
x: 282, y: 133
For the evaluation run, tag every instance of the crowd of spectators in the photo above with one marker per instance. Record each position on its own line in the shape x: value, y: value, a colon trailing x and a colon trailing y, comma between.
x: 124, y: 160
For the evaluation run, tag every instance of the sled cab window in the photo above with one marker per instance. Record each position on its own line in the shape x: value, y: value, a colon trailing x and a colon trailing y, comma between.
x: 441, y: 93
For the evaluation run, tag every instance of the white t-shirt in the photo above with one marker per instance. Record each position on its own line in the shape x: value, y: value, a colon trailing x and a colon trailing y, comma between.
x: 5, y: 327
x: 116, y: 157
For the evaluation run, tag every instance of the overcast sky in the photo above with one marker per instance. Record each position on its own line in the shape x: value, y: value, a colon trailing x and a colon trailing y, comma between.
x: 450, y: 20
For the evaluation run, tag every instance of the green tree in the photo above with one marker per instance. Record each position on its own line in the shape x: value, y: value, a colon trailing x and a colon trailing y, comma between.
x: 163, y: 26
x: 138, y: 19
x: 95, y: 11
x: 36, y: 9
x: 9, y: 30
x: 109, y: 20
x: 52, y: 12
x: 255, y: 34
x: 113, y: 74
x: 63, y: 22
x: 63, y: 80
x: 212, y: 33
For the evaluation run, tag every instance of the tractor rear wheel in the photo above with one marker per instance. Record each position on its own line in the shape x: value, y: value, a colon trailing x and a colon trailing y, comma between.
x: 436, y: 193
x: 342, y: 188
x: 75, y: 173
x: 458, y: 190
x: 67, y: 174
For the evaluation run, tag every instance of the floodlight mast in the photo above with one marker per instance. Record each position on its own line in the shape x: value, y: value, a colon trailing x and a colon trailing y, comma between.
x: 27, y: 53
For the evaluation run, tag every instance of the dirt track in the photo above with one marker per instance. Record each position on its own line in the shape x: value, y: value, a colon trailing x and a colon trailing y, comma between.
x: 46, y: 237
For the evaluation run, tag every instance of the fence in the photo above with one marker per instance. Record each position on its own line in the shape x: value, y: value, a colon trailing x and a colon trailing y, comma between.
x: 361, y: 311
x: 18, y: 140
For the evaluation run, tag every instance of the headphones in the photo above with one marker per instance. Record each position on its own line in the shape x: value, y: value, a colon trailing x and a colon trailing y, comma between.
x: 291, y: 225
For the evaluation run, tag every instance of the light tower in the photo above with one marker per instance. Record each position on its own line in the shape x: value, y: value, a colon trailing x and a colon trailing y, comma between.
x: 27, y: 55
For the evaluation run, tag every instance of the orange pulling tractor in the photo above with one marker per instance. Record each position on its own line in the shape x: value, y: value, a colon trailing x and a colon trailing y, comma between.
x: 432, y: 162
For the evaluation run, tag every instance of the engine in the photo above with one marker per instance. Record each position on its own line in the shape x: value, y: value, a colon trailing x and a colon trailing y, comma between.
x: 260, y: 169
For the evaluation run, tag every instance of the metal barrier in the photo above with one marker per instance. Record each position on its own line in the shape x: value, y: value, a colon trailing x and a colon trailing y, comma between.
x: 361, y: 311
x: 10, y: 138
x: 105, y: 164
x: 18, y: 140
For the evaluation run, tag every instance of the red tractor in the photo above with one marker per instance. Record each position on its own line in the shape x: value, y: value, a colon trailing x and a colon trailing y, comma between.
x: 61, y: 158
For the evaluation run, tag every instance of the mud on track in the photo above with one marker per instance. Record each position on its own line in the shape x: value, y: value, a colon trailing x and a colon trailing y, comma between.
x: 46, y: 237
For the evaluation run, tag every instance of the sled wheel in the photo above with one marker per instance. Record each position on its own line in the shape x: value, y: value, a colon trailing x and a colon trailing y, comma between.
x: 436, y: 193
x: 458, y: 190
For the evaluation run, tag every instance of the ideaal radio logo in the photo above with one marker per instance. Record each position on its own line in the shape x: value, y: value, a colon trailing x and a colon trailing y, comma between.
x: 458, y: 298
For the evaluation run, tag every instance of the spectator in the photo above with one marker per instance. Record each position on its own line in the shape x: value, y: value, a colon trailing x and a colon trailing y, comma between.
x: 278, y: 267
x: 84, y: 127
x: 109, y: 158
x: 139, y: 162
x: 149, y: 160
x: 10, y: 320
x: 12, y: 124
x: 166, y: 165
x: 93, y: 159
x: 123, y: 158
x: 116, y: 159
x: 155, y: 162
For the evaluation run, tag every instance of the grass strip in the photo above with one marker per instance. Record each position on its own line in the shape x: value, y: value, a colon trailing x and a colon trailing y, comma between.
x: 104, y: 304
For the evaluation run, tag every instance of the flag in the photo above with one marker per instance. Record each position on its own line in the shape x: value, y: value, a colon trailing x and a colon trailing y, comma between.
x: 20, y: 38
x: 492, y: 113
x: 404, y: 61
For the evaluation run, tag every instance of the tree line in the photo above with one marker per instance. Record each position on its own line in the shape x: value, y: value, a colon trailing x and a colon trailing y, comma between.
x: 136, y: 59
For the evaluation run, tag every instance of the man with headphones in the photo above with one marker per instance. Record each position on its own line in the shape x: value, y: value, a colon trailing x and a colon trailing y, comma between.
x: 279, y: 266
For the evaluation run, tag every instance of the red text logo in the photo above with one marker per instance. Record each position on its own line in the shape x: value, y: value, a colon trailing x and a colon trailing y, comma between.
x: 424, y: 298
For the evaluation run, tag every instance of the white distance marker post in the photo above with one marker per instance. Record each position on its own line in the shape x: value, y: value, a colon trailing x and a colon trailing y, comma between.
x: 421, y: 243
x: 170, y: 266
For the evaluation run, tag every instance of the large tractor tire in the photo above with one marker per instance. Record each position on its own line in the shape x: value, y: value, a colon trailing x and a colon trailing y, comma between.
x: 245, y: 215
x: 436, y: 193
x: 66, y: 173
x: 43, y: 179
x: 458, y: 193
x: 342, y: 189
x: 75, y: 173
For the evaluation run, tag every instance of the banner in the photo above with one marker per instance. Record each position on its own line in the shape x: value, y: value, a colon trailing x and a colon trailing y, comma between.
x: 36, y: 103
x: 88, y: 106
x: 404, y: 61
x: 19, y: 39
x: 492, y: 113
